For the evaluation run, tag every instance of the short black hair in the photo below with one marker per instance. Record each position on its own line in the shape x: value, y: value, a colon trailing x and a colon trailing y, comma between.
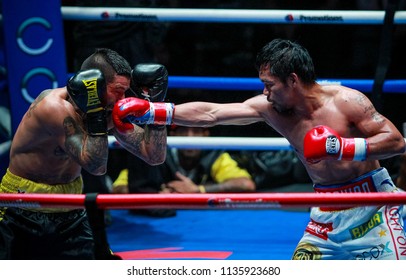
x: 285, y: 57
x: 109, y: 62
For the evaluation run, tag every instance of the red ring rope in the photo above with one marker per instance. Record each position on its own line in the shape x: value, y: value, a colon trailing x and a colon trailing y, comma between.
x: 203, y: 201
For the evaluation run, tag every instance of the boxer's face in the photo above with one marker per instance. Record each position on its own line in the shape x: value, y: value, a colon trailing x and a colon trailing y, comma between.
x: 115, y: 92
x: 276, y: 92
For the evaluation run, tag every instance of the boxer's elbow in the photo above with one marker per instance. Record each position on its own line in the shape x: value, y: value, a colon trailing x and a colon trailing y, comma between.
x: 155, y: 158
x: 397, y: 144
x: 96, y: 171
x: 402, y: 145
x: 95, y: 165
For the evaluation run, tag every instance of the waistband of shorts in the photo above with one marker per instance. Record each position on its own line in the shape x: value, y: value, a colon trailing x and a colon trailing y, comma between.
x: 12, y: 183
x: 377, y: 180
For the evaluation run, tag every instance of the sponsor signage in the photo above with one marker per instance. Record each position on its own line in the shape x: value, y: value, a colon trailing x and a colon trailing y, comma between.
x: 35, y: 51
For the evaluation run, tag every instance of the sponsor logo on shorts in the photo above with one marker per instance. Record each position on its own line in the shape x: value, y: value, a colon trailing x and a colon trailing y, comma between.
x: 363, y: 186
x: 319, y: 229
x: 363, y: 229
x: 375, y: 252
x: 397, y: 248
x: 396, y: 226
x: 387, y: 182
x: 306, y: 251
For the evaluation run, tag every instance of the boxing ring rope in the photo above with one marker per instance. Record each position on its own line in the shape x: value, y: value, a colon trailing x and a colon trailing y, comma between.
x: 241, y: 16
x: 242, y: 83
x: 254, y: 84
x: 204, y: 201
x: 220, y: 143
x: 229, y: 15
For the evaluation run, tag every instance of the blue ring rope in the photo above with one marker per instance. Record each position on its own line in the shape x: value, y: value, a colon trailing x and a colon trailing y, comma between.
x: 230, y: 83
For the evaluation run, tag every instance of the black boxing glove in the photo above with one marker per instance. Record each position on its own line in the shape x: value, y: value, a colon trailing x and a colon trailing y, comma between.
x: 150, y: 81
x: 87, y: 89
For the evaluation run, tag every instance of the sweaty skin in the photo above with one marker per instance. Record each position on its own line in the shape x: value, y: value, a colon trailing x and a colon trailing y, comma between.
x: 50, y: 145
x: 293, y: 108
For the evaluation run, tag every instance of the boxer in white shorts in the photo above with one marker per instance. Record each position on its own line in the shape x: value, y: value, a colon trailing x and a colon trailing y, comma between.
x: 376, y: 234
x: 335, y: 131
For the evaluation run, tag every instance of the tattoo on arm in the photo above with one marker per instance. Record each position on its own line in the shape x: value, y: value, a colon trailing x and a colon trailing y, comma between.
x: 158, y: 138
x: 132, y: 142
x: 370, y: 109
x: 70, y: 127
x: 90, y: 152
x: 97, y: 149
x: 377, y: 117
x: 37, y: 100
x: 74, y: 137
x: 150, y: 149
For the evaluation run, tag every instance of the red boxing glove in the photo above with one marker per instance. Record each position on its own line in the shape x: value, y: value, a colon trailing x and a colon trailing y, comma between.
x: 322, y: 142
x: 139, y: 111
x: 120, y: 122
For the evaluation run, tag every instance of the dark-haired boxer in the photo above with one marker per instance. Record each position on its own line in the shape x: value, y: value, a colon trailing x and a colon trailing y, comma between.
x: 338, y: 135
x: 64, y: 130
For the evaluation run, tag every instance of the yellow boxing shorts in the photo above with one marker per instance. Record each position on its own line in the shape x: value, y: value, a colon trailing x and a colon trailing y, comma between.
x: 15, y: 184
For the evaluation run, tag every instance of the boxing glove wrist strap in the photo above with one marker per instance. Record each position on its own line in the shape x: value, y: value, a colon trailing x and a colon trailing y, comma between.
x: 97, y: 123
x: 355, y: 149
x: 161, y: 113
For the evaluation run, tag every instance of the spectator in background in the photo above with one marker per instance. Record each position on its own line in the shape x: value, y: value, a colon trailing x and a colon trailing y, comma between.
x: 185, y: 171
x: 275, y: 170
x: 400, y: 179
x: 194, y: 171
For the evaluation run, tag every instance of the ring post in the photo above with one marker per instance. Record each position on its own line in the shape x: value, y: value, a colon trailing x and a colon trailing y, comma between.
x: 35, y: 48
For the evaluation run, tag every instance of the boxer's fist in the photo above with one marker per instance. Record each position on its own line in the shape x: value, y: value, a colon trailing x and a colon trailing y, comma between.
x: 125, y: 107
x: 322, y: 143
x: 140, y: 111
x: 150, y: 81
x: 87, y: 89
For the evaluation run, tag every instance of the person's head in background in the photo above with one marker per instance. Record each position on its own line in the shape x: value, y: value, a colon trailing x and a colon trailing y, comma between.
x: 188, y: 158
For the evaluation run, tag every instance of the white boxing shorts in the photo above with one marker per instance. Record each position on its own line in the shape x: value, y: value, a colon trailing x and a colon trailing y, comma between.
x: 359, y: 233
